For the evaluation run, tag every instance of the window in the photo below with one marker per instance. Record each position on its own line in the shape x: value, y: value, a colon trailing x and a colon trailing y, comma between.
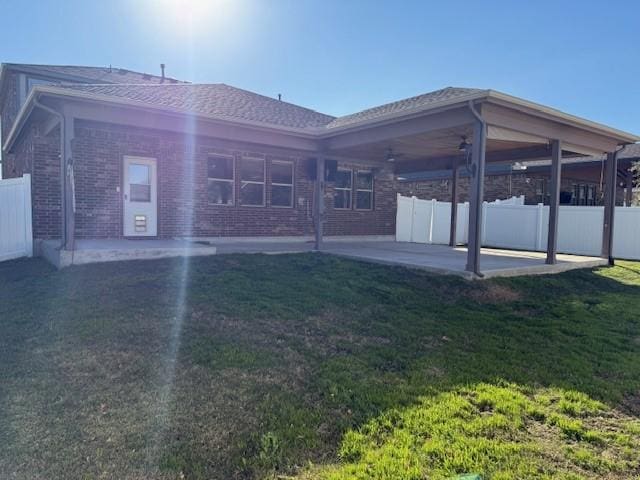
x: 139, y: 182
x: 281, y: 184
x: 252, y: 182
x: 364, y: 191
x: 220, y: 180
x: 342, y: 189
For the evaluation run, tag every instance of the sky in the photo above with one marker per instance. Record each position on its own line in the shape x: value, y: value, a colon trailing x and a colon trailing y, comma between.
x: 341, y: 56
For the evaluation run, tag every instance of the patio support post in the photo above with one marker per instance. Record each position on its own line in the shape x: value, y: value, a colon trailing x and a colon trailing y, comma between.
x: 69, y: 184
x: 477, y: 192
x: 611, y: 179
x: 554, y: 201
x: 319, y: 203
x: 628, y: 200
x: 454, y: 204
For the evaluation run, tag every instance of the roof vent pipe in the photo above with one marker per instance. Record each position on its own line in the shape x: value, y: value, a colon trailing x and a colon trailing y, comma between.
x: 280, y: 97
x: 162, y: 70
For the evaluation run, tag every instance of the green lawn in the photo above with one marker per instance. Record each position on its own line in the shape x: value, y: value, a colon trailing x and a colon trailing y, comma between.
x: 253, y: 366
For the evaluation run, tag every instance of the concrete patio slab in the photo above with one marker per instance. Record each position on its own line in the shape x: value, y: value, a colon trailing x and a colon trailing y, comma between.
x: 439, y: 259
x: 452, y: 261
x: 113, y: 250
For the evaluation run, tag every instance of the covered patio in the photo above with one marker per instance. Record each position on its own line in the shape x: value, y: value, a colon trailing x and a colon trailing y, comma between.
x: 438, y: 259
x: 467, y: 129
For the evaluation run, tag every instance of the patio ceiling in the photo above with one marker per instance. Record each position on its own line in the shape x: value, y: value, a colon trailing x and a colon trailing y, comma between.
x: 515, y: 132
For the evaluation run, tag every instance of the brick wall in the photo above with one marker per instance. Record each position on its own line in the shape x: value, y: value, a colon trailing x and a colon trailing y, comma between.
x: 184, y: 209
x: 495, y: 187
x: 40, y: 156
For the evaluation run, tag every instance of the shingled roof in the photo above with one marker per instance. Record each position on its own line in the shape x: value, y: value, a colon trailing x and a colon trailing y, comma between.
x: 216, y: 100
x: 407, y: 104
x: 92, y: 74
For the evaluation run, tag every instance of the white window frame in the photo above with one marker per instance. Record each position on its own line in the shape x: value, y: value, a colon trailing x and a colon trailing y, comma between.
x: 356, y: 190
x: 350, y: 189
x: 253, y: 182
x: 293, y: 182
x: 232, y: 181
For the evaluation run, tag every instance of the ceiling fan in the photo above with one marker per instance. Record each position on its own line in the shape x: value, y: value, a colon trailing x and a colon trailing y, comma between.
x: 392, y: 157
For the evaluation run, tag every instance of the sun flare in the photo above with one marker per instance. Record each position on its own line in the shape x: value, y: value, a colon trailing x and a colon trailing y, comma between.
x: 193, y: 15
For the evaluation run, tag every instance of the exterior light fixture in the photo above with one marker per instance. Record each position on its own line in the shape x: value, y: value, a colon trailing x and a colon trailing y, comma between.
x: 390, y: 156
x: 518, y: 166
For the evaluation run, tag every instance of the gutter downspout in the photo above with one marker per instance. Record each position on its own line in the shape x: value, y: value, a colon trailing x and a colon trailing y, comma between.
x: 477, y: 171
x: 66, y: 175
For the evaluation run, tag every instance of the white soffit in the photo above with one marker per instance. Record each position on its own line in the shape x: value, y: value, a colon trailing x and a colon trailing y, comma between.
x: 506, y: 134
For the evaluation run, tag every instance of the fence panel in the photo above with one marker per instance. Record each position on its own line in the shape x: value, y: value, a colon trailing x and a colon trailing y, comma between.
x: 16, y: 239
x: 510, y: 224
x: 626, y: 233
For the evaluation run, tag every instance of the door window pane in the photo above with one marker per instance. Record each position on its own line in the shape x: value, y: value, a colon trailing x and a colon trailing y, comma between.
x: 139, y: 174
x: 139, y: 182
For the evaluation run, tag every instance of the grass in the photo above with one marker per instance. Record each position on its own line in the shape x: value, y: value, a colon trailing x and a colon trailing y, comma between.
x: 305, y: 365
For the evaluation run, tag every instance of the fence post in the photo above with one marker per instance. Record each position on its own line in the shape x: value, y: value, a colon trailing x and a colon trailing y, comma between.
x: 539, y: 226
x: 485, y: 209
x: 28, y: 229
x: 412, y: 216
x: 432, y: 220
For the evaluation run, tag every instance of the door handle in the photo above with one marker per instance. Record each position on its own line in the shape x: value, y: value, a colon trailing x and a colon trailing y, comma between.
x: 126, y: 197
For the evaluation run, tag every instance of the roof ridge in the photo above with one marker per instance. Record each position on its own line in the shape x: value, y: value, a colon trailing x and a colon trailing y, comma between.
x: 277, y: 100
x: 105, y: 69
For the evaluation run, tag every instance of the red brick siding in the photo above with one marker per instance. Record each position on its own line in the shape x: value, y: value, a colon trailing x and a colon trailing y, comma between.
x: 182, y: 189
x: 39, y: 156
x: 495, y: 187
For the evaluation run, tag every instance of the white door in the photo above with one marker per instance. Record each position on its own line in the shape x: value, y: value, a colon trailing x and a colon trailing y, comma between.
x: 140, y: 204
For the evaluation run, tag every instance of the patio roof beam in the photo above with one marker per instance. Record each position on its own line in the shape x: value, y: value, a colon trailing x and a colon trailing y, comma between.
x: 591, y: 142
x: 477, y: 192
x: 554, y: 201
x: 499, y: 156
x: 405, y: 128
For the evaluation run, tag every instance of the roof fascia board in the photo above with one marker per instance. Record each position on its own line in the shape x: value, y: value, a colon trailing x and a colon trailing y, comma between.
x: 18, y: 123
x: 560, y: 116
x: 437, y: 107
x: 52, y: 90
x: 180, y: 123
x: 505, y: 116
x: 301, y: 141
x: 407, y: 126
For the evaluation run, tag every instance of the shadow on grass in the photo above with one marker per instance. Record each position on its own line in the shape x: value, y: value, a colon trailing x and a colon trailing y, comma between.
x: 282, y: 356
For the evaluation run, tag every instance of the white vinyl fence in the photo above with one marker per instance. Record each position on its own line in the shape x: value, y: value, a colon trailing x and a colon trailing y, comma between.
x: 511, y: 224
x: 16, y: 239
